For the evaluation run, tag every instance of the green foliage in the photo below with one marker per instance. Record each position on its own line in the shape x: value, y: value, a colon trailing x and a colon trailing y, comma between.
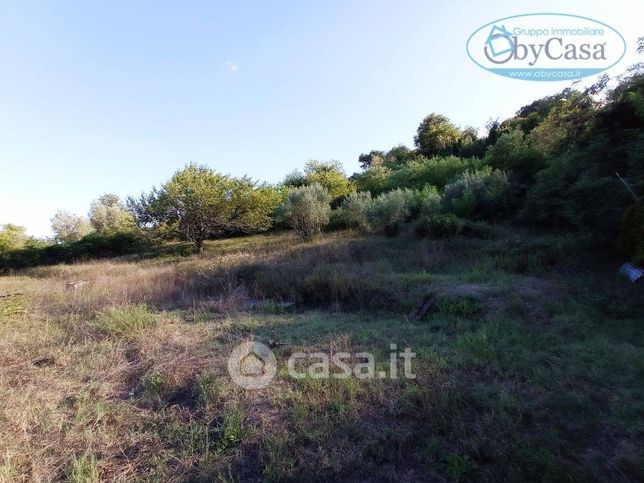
x: 109, y: 216
x: 428, y: 200
x: 372, y: 159
x: 375, y: 180
x: 231, y: 429
x: 436, y: 171
x: 68, y: 227
x: 398, y: 156
x: 91, y: 246
x: 514, y: 153
x: 12, y: 237
x: 470, y: 145
x: 307, y: 210
x: 477, y: 194
x: 84, y: 470
x: 465, y: 307
x: 439, y: 225
x: 328, y: 174
x: 631, y: 231
x: 578, y: 189
x: 125, y: 320
x: 199, y: 203
x: 458, y: 467
x: 355, y: 211
x: 155, y: 388
x: 436, y: 135
x: 389, y: 210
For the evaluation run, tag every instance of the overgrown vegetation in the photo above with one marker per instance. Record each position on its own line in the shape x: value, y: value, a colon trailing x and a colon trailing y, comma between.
x: 497, y: 268
x: 529, y: 363
x: 568, y: 162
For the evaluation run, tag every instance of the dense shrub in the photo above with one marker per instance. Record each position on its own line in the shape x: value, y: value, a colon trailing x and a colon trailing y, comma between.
x: 93, y: 245
x: 428, y: 201
x: 389, y: 210
x: 513, y: 152
x: 375, y: 180
x: 12, y: 237
x: 477, y: 194
x: 307, y: 210
x: 631, y: 231
x: 354, y: 211
x: 439, y: 225
x: 436, y: 171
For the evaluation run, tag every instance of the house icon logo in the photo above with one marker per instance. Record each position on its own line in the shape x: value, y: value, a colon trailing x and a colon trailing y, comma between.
x: 499, y: 41
x: 252, y: 365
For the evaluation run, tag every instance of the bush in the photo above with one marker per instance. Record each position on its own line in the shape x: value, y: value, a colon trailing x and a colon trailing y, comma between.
x: 477, y: 194
x: 93, y: 245
x: 307, y: 210
x: 631, y: 231
x: 429, y: 201
x: 514, y: 152
x: 389, y: 210
x: 439, y: 225
x: 355, y: 211
x: 436, y: 171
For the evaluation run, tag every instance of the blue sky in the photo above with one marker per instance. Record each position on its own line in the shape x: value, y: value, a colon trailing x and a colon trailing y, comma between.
x: 114, y: 96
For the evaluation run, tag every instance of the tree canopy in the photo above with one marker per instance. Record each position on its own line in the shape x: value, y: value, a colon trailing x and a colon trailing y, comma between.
x: 198, y: 203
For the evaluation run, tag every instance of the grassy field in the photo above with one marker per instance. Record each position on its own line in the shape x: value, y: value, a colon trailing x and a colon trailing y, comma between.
x: 530, y: 363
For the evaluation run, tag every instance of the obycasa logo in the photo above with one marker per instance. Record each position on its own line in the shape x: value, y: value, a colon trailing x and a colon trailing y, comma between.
x: 546, y: 47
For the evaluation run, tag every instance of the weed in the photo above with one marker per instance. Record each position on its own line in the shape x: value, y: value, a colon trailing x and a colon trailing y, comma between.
x: 457, y: 466
x: 84, y: 469
x: 124, y: 321
x: 465, y: 307
x: 231, y: 428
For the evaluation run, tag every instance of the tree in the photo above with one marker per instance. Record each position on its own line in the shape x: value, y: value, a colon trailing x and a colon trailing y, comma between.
x: 307, y: 209
x: 68, y: 227
x: 12, y: 237
x: 329, y: 175
x: 198, y: 203
x: 109, y: 216
x: 295, y: 179
x: 514, y: 152
x: 469, y: 144
x: 477, y: 194
x: 374, y: 158
x: 436, y: 135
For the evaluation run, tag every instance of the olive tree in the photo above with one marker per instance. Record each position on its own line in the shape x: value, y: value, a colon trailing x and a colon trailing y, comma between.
x: 355, y: 210
x: 109, y: 216
x: 389, y: 210
x: 68, y: 227
x: 307, y: 209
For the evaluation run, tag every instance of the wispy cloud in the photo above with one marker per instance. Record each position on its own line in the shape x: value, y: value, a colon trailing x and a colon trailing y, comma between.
x: 232, y: 66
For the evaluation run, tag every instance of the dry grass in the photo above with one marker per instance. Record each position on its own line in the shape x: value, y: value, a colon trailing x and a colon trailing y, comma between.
x: 125, y: 377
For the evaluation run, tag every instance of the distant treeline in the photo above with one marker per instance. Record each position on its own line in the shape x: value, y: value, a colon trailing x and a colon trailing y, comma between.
x: 571, y: 162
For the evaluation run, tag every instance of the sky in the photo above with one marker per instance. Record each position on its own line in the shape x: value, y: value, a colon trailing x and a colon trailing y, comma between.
x: 115, y: 96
